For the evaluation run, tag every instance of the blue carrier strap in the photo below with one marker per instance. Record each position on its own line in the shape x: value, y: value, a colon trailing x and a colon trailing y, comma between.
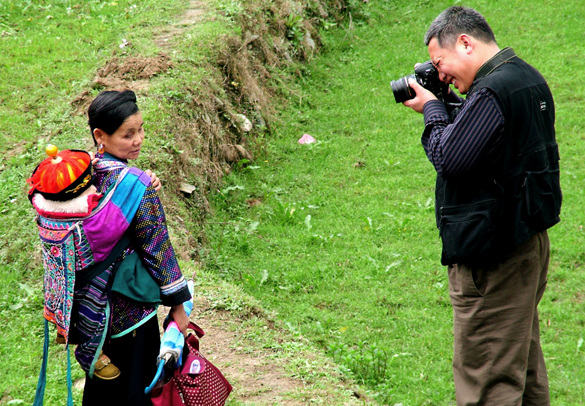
x: 40, y: 394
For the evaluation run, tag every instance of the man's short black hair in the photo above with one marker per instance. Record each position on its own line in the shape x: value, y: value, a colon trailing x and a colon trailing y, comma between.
x: 457, y: 20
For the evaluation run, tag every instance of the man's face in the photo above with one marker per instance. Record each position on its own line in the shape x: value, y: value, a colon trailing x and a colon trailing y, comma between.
x: 453, y: 64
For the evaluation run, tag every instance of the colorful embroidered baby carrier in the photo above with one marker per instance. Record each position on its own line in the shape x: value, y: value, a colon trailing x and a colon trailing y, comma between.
x: 74, y: 247
x: 71, y: 246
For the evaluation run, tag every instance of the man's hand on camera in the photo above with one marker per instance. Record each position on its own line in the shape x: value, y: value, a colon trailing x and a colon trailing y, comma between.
x: 422, y: 96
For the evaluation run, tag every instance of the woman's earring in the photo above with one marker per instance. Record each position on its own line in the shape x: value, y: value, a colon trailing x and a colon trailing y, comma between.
x: 101, y: 149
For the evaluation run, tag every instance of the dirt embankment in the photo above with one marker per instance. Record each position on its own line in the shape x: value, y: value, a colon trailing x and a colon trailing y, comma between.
x: 218, y: 127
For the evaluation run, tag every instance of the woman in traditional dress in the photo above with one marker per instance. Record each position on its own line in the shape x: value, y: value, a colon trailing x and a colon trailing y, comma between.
x: 132, y: 341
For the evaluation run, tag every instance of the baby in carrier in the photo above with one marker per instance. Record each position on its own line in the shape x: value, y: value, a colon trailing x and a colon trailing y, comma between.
x: 67, y: 202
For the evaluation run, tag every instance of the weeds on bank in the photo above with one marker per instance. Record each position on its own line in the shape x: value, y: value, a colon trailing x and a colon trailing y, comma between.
x: 368, y: 363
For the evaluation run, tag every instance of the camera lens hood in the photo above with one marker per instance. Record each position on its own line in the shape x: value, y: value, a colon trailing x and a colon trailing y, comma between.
x: 401, y: 90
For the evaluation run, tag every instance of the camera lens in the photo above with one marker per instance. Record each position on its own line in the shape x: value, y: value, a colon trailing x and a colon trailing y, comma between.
x: 401, y: 90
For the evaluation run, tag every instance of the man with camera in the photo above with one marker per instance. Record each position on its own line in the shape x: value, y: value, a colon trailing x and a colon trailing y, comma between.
x: 497, y: 193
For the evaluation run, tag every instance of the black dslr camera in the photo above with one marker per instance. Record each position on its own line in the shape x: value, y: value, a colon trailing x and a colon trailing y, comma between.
x: 427, y: 76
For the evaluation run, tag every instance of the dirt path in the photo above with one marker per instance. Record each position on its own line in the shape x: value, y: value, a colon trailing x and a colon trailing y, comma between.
x: 193, y: 14
x: 261, y: 372
x: 257, y: 380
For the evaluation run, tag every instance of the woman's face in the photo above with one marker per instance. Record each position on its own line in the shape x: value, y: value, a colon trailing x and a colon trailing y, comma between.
x: 126, y: 141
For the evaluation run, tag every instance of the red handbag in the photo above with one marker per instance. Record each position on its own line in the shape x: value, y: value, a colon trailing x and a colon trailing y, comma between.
x: 197, y: 383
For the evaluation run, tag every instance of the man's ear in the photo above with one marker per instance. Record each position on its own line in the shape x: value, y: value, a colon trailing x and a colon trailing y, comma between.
x: 466, y: 42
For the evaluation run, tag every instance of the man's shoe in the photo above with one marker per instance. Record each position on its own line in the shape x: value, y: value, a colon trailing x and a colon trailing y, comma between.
x: 104, y: 369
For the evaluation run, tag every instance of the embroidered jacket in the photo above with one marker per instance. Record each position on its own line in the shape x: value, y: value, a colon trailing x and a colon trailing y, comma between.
x: 101, y: 313
x: 150, y: 239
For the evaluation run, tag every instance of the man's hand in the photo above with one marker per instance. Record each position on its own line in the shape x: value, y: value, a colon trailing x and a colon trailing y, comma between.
x: 422, y: 96
x: 154, y: 180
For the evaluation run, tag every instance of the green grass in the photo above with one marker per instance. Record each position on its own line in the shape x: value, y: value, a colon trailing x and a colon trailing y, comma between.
x: 343, y: 243
x: 47, y: 44
x: 343, y: 247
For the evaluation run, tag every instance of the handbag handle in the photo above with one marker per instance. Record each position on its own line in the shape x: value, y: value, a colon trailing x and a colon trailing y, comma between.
x: 191, y: 326
x: 193, y: 340
x: 198, y: 330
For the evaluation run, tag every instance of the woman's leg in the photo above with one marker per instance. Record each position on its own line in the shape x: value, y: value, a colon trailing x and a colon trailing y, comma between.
x: 135, y: 355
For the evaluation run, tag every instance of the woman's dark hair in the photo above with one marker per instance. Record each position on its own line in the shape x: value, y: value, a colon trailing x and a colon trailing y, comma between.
x: 109, y: 110
x: 458, y: 20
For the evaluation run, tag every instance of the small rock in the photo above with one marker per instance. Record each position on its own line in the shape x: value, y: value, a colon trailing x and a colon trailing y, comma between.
x: 244, y: 124
x: 187, y: 189
x: 249, y: 37
x: 309, y: 40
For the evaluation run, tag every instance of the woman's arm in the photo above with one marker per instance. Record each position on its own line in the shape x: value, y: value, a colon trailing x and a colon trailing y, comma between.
x: 152, y: 243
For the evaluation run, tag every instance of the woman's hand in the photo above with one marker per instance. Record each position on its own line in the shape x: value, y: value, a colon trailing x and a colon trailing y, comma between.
x: 154, y: 180
x: 178, y: 314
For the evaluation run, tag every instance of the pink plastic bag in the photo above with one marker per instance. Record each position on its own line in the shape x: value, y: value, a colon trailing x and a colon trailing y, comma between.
x: 306, y: 139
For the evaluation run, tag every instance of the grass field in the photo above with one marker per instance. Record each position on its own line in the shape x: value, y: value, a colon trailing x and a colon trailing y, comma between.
x: 338, y: 237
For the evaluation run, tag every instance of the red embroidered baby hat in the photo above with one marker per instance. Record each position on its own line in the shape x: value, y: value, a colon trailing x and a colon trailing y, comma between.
x: 62, y: 176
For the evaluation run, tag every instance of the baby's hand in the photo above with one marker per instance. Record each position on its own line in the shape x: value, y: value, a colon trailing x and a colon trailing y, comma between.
x: 154, y: 180
x: 94, y: 160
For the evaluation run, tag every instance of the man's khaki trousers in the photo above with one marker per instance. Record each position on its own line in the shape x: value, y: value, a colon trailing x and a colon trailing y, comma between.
x: 497, y: 356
